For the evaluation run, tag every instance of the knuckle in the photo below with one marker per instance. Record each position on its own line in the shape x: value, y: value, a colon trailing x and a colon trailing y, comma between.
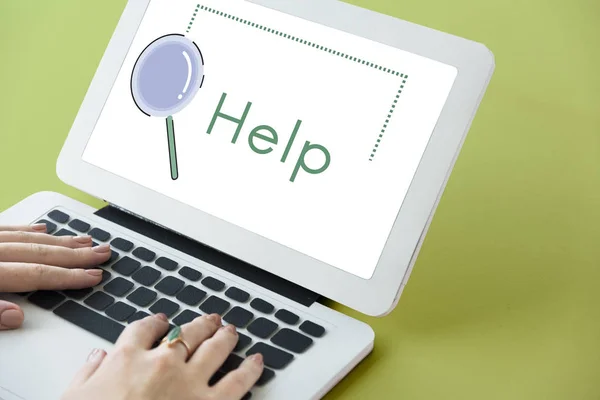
x: 208, y: 395
x: 239, y: 380
x: 22, y: 236
x: 164, y: 362
x: 144, y: 324
x: 39, y: 270
x: 81, y: 252
x: 209, y: 323
x: 221, y: 345
x: 38, y: 249
x: 136, y: 325
x: 126, y: 350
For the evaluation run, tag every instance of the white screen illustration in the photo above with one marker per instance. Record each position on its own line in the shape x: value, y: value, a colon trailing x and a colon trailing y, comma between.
x: 303, y: 134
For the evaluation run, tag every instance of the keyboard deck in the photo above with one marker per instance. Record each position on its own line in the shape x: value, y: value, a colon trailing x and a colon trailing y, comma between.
x: 138, y: 281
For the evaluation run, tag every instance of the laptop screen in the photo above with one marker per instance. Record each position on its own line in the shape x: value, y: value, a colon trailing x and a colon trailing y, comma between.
x: 300, y: 133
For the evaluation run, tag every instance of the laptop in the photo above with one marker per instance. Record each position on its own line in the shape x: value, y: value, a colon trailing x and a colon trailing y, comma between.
x: 255, y: 157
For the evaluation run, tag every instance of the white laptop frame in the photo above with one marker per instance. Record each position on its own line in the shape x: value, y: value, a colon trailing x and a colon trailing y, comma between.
x: 376, y: 296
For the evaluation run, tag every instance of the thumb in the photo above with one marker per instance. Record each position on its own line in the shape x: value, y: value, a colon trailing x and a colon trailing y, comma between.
x: 11, y: 316
x: 92, y: 363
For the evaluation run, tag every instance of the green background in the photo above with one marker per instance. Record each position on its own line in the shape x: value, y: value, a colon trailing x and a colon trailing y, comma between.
x: 504, y: 300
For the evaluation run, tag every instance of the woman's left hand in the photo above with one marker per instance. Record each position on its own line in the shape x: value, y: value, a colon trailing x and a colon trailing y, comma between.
x: 32, y: 260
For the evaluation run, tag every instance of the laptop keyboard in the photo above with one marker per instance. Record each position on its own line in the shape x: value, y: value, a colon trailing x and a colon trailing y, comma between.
x: 134, y: 286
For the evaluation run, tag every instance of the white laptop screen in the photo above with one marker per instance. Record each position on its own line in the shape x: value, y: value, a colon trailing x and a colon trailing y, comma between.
x: 303, y: 134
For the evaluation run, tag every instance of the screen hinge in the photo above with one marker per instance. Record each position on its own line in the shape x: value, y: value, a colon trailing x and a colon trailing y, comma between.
x: 203, y: 252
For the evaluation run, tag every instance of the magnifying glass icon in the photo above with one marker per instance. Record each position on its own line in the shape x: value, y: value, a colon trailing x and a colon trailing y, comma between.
x: 165, y: 79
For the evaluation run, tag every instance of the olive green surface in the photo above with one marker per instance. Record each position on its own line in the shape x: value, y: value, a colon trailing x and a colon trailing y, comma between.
x: 504, y: 302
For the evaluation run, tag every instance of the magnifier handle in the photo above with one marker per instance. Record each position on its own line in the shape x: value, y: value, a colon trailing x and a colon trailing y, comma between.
x: 172, y: 149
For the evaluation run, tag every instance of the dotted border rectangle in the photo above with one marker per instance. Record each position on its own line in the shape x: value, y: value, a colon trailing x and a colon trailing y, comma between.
x: 333, y: 52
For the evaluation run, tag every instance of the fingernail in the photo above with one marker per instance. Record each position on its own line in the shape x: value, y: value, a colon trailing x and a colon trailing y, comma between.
x: 39, y: 227
x: 95, y: 355
x: 11, y: 318
x: 94, y: 272
x: 103, y: 248
x: 231, y: 329
x: 257, y: 358
x: 162, y: 316
x: 216, y: 318
x: 92, y: 354
x: 82, y: 239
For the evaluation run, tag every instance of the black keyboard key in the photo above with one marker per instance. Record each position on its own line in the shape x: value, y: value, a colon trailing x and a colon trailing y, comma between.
x: 146, y: 276
x: 94, y: 244
x: 287, y: 317
x: 65, y: 232
x: 262, y: 306
x: 214, y: 305
x: 46, y: 299
x: 265, y: 377
x: 243, y: 342
x: 213, y: 284
x: 89, y: 320
x: 99, y: 234
x: 272, y: 356
x: 237, y: 294
x: 169, y: 286
x: 113, y: 256
x: 58, y: 216
x: 312, y: 329
x: 190, y: 274
x: 137, y: 316
x: 185, y: 317
x: 216, y: 378
x: 232, y: 362
x: 122, y: 244
x: 79, y: 225
x: 99, y: 301
x: 191, y: 295
x: 78, y: 294
x: 126, y: 266
x: 262, y: 327
x: 238, y: 317
x: 118, y: 287
x: 105, y: 277
x: 292, y: 340
x: 220, y: 375
x: 144, y: 254
x: 166, y: 263
x: 165, y: 306
x: 50, y: 226
x: 142, y: 296
x: 120, y: 311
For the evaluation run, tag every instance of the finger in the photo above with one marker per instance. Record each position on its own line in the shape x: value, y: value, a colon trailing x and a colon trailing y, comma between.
x: 73, y: 242
x: 214, y: 351
x: 11, y: 316
x: 92, y: 363
x: 25, y: 228
x: 19, y: 277
x: 144, y: 332
x: 54, y: 255
x: 238, y: 382
x: 194, y: 333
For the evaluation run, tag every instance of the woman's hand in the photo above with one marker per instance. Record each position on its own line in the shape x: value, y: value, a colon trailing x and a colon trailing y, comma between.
x: 136, y: 371
x: 32, y: 260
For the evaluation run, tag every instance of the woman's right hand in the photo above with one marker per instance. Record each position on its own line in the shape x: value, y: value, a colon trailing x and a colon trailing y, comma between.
x: 134, y: 370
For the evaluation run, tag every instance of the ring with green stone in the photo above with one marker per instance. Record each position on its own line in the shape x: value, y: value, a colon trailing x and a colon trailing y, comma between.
x: 175, y: 336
